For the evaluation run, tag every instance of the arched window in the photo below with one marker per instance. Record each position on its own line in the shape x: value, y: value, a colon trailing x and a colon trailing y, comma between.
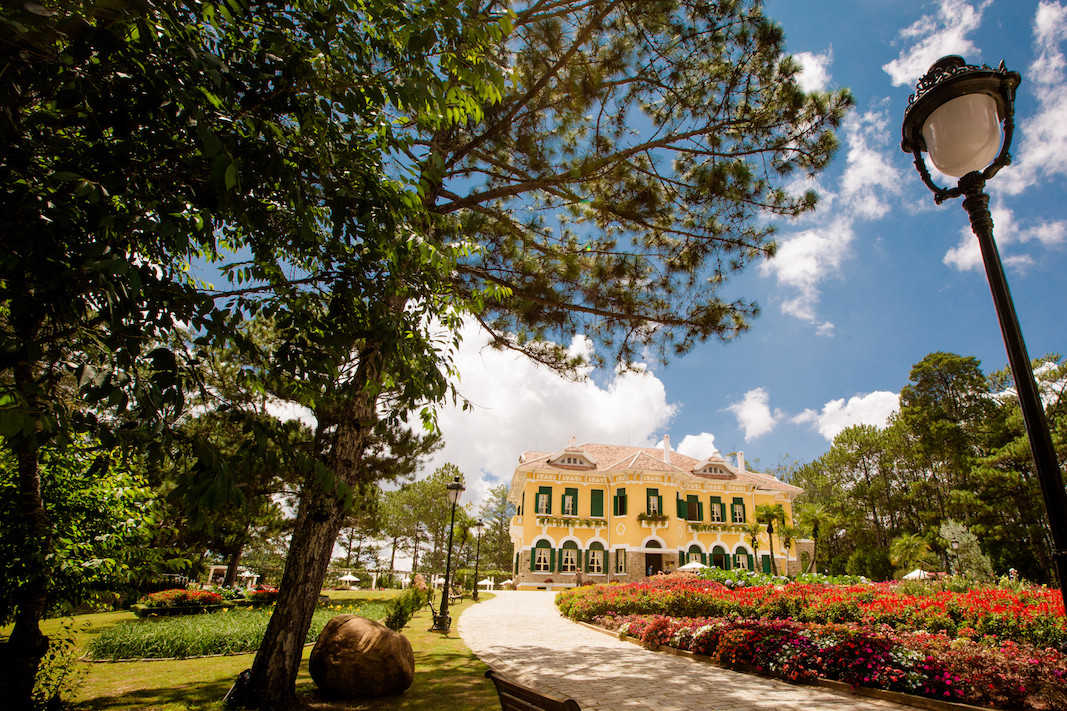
x: 541, y: 557
x: 595, y: 558
x: 696, y: 554
x: 568, y: 561
x: 719, y: 558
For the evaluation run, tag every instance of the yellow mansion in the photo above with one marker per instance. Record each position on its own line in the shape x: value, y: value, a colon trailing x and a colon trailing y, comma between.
x: 619, y: 513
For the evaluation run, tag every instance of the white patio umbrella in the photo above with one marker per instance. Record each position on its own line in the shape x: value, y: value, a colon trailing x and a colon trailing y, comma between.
x: 917, y: 574
x: 693, y: 565
x: 348, y: 578
x: 488, y: 583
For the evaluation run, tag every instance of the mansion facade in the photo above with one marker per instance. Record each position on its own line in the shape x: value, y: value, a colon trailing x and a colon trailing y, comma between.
x: 620, y: 513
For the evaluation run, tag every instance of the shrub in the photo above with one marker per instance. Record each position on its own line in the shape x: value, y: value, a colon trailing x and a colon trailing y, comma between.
x: 263, y: 594
x: 403, y: 608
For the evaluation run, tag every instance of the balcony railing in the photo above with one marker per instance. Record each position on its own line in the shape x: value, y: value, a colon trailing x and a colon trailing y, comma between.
x: 572, y: 522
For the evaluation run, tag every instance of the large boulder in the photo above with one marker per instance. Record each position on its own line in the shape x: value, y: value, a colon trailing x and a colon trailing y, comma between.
x: 359, y: 658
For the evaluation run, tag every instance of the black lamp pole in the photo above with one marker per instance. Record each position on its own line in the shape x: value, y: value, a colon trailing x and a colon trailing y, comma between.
x: 946, y: 99
x: 442, y: 622
x: 479, y: 527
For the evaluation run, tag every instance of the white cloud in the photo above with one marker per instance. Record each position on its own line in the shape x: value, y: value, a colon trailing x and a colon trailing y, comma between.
x: 815, y: 70
x: 934, y: 36
x: 1040, y: 149
x: 870, y: 175
x: 754, y: 415
x: 699, y: 446
x: 966, y: 256
x: 518, y: 405
x: 871, y: 409
x: 806, y: 259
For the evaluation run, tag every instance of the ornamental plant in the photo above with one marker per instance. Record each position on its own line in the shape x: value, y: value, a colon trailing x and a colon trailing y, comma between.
x: 180, y: 597
x: 1031, y: 616
x: 264, y: 593
x: 983, y: 672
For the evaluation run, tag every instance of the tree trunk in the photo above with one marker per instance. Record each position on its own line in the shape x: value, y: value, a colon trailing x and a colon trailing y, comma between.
x: 21, y: 655
x: 318, y: 521
x: 277, y: 662
x: 231, y: 567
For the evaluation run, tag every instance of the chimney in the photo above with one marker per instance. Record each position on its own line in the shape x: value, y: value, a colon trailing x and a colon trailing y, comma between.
x: 667, y: 448
x: 740, y: 461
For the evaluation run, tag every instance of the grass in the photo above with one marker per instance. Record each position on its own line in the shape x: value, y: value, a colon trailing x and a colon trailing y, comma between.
x: 226, y: 632
x: 446, y: 673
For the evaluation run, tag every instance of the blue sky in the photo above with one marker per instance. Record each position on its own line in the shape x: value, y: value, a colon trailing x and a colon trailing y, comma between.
x: 876, y: 278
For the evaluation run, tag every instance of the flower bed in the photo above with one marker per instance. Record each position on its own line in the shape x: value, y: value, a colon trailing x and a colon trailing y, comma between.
x: 179, y: 601
x: 1033, y: 616
x: 985, y: 646
x: 1000, y: 675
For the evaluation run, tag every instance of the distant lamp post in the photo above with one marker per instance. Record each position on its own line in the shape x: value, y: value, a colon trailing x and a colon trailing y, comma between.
x: 479, y: 529
x: 956, y: 550
x: 442, y: 622
x: 956, y: 115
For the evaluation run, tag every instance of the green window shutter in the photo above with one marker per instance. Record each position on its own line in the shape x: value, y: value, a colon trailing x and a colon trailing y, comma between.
x: 765, y: 561
x: 622, y: 502
x: 596, y: 503
x: 516, y: 564
x: 659, y: 498
x: 573, y: 493
x: 750, y: 564
x: 551, y: 560
x: 741, y: 502
x: 547, y: 491
x: 704, y: 558
x: 700, y: 510
x: 533, y: 559
x: 683, y: 558
x: 680, y: 504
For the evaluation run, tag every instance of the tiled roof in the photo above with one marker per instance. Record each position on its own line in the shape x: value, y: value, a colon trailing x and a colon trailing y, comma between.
x: 613, y: 458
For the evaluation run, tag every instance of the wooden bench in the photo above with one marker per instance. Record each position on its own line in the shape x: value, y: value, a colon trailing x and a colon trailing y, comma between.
x: 516, y: 697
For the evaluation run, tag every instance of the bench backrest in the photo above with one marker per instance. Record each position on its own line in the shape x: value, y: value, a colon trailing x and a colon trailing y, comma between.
x: 516, y: 697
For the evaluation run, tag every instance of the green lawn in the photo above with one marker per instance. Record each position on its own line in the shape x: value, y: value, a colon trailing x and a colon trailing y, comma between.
x: 446, y: 673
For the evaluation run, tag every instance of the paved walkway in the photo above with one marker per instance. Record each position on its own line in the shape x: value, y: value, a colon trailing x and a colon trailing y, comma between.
x: 523, y: 636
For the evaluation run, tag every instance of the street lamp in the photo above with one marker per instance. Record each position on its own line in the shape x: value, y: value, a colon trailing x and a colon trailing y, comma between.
x: 956, y: 550
x: 479, y: 529
x: 956, y: 115
x: 442, y: 622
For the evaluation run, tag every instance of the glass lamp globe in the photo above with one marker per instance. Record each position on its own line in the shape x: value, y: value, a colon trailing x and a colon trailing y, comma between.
x: 454, y: 489
x: 963, y: 134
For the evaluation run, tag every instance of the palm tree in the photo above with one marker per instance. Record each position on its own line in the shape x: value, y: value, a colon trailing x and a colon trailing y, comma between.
x: 787, y: 534
x: 753, y: 530
x: 768, y: 514
x: 908, y: 549
x: 814, y: 518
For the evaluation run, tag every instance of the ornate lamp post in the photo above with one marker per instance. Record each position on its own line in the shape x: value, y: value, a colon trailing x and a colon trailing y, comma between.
x: 955, y: 115
x: 479, y: 529
x: 442, y: 622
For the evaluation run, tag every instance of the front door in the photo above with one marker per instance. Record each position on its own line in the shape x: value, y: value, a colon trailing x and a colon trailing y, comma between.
x: 653, y: 563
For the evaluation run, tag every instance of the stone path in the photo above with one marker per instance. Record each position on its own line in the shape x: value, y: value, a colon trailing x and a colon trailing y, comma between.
x: 521, y: 634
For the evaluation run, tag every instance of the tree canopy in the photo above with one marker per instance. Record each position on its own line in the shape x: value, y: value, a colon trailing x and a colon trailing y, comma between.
x: 953, y: 464
x: 636, y: 160
x: 365, y: 171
